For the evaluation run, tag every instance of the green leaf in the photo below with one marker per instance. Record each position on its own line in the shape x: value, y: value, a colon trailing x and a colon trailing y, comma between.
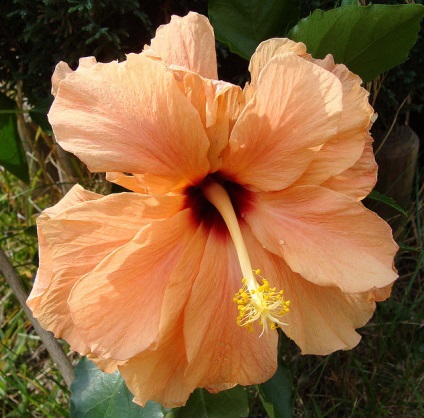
x: 276, y: 393
x: 39, y: 114
x: 244, y: 24
x: 12, y: 154
x: 374, y: 195
x: 232, y: 403
x: 96, y: 394
x: 368, y: 40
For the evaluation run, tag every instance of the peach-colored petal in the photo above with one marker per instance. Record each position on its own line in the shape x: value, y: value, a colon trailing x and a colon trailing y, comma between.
x: 267, y: 50
x: 134, y: 183
x: 230, y: 102
x: 345, y: 149
x: 187, y: 42
x: 47, y: 303
x: 358, y: 180
x: 76, y: 239
x: 86, y: 62
x: 218, y: 350
x: 382, y: 293
x: 295, y: 110
x: 321, y: 319
x: 327, y: 237
x: 218, y: 103
x: 62, y: 70
x: 75, y: 196
x: 131, y: 282
x: 131, y: 117
x: 45, y: 274
x: 158, y: 375
x: 334, y: 157
x: 105, y: 365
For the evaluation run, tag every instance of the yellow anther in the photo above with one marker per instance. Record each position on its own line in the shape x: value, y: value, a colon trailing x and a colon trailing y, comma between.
x: 261, y: 303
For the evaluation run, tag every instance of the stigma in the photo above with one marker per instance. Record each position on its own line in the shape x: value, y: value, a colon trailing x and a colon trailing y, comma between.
x: 257, y: 302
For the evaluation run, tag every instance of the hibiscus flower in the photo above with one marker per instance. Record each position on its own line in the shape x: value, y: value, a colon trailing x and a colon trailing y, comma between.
x: 243, y: 214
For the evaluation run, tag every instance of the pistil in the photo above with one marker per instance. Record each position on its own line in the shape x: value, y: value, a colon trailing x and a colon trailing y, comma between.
x: 255, y: 302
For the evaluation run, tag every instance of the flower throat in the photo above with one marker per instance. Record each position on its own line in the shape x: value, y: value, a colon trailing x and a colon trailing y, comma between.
x: 255, y: 302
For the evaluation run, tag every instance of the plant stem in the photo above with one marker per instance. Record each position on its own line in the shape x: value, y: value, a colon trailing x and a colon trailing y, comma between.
x: 52, y: 345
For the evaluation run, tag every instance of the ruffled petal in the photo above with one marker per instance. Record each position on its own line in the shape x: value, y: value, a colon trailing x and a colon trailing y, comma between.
x: 75, y: 196
x: 75, y: 236
x: 158, y: 374
x: 187, y: 42
x: 358, y: 180
x: 45, y: 271
x: 218, y: 103
x: 105, y: 365
x: 340, y: 153
x: 295, y: 110
x: 345, y: 149
x: 117, y: 307
x: 62, y: 70
x: 130, y: 182
x: 321, y: 319
x: 267, y: 50
x: 220, y: 352
x: 55, y: 316
x: 131, y: 117
x: 326, y: 237
x: 230, y: 102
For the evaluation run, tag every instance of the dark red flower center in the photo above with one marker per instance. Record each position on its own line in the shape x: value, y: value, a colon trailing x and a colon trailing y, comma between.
x: 205, y: 213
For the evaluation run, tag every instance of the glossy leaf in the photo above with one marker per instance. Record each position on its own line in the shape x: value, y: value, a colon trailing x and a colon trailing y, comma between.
x: 96, y: 394
x: 244, y: 24
x: 368, y: 40
x: 232, y: 403
x: 276, y: 394
x: 12, y: 154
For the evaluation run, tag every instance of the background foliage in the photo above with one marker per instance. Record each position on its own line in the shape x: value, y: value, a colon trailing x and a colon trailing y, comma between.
x: 383, y: 376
